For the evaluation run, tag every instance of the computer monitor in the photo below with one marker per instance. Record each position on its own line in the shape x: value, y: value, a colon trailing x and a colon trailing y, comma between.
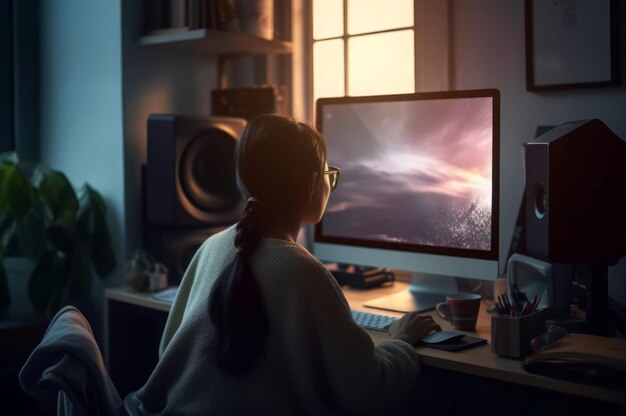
x: 418, y: 188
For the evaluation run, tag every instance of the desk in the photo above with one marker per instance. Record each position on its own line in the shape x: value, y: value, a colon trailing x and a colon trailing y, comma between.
x: 480, y: 361
x: 479, y: 364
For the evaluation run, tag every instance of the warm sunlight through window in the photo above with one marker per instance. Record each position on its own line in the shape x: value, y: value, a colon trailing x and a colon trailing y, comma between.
x: 328, y: 69
x: 376, y: 56
x: 327, y: 19
x: 366, y: 16
x: 381, y: 63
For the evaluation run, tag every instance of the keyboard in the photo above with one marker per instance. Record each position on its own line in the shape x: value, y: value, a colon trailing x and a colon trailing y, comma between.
x: 365, y: 320
x: 373, y: 320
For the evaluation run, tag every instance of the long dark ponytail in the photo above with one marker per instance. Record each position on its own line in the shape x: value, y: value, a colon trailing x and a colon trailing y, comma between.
x: 275, y: 156
x: 236, y: 304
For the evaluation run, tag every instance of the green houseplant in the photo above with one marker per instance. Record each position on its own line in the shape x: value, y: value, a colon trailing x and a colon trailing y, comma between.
x: 63, y: 233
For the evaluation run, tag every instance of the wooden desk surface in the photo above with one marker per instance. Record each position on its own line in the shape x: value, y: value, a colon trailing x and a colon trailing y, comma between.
x: 479, y: 361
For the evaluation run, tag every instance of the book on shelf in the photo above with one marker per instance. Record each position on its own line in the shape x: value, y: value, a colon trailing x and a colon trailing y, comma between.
x: 178, y: 17
x: 201, y: 14
x: 232, y: 16
x: 227, y: 16
x: 193, y: 14
x: 165, y: 16
x: 219, y: 15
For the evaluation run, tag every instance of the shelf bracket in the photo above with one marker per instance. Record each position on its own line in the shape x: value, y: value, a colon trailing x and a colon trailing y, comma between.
x: 222, y: 77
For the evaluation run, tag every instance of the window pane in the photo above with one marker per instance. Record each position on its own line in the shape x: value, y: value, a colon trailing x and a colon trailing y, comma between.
x: 374, y: 15
x: 381, y: 64
x: 328, y: 67
x: 327, y: 19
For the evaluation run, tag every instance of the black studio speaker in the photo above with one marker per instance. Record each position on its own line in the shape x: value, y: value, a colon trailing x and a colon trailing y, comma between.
x: 576, y: 195
x: 190, y: 190
x: 176, y: 246
x: 190, y: 176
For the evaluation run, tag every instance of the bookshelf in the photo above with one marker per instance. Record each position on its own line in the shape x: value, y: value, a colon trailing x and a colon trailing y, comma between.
x: 221, y: 35
x: 214, y: 42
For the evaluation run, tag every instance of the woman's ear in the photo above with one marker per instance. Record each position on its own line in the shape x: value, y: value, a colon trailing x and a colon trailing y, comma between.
x: 312, y: 185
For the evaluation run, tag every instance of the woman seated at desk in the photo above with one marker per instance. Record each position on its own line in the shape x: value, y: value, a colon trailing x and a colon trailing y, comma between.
x: 259, y: 325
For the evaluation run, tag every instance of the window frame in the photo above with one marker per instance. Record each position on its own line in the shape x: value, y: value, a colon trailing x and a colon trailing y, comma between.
x: 432, y: 43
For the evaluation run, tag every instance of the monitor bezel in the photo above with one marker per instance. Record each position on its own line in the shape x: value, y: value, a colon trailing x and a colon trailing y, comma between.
x: 493, y: 253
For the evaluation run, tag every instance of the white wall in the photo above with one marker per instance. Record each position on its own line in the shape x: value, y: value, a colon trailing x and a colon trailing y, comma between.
x: 81, y: 108
x: 488, y: 51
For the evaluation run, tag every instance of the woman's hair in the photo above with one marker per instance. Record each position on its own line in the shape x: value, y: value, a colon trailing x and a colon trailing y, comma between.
x: 275, y: 158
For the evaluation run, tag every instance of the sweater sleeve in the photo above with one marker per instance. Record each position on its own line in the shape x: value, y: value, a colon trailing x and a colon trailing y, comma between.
x: 323, y: 340
x: 177, y: 311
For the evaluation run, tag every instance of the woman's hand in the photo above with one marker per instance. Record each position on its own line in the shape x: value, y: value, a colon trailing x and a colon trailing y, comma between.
x: 412, y: 327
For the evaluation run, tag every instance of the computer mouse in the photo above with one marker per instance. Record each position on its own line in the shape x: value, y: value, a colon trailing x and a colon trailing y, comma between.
x: 442, y: 337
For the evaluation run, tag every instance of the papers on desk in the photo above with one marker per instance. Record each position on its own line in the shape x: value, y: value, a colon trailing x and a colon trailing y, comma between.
x: 167, y: 295
x: 582, y: 358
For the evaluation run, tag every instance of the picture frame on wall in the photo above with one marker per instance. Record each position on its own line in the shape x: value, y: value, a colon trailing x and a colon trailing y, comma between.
x: 571, y: 44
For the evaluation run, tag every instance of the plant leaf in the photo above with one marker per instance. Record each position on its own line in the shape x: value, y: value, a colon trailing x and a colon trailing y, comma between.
x: 47, y: 281
x: 6, y: 171
x: 79, y: 277
x: 57, y: 191
x: 5, y: 297
x: 94, y: 231
x: 140, y: 260
x: 16, y: 194
x: 64, y: 235
x: 31, y: 231
x: 7, y: 231
x: 9, y: 158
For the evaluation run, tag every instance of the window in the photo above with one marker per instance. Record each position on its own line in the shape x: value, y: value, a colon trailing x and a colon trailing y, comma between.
x: 375, y: 47
x: 363, y: 47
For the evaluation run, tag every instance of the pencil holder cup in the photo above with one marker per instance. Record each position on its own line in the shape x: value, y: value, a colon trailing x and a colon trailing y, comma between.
x: 510, y: 337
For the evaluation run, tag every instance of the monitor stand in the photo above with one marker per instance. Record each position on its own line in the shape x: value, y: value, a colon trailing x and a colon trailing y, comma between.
x: 424, y: 293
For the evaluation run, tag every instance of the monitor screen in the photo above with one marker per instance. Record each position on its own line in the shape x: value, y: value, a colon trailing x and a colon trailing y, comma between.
x: 419, y: 172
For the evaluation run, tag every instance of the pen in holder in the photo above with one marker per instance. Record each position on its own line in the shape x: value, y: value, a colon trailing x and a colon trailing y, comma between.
x: 511, y: 336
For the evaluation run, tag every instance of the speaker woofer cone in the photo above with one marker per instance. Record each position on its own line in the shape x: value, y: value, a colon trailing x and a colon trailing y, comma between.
x: 541, y: 200
x: 207, y: 172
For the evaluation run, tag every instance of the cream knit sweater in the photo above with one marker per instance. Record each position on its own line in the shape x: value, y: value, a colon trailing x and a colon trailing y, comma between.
x: 316, y: 359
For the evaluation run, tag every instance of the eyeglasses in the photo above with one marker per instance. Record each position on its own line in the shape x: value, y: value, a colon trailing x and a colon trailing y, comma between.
x: 333, y: 175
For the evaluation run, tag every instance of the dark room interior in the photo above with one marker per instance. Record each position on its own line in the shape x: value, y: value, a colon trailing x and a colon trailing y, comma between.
x: 472, y: 181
